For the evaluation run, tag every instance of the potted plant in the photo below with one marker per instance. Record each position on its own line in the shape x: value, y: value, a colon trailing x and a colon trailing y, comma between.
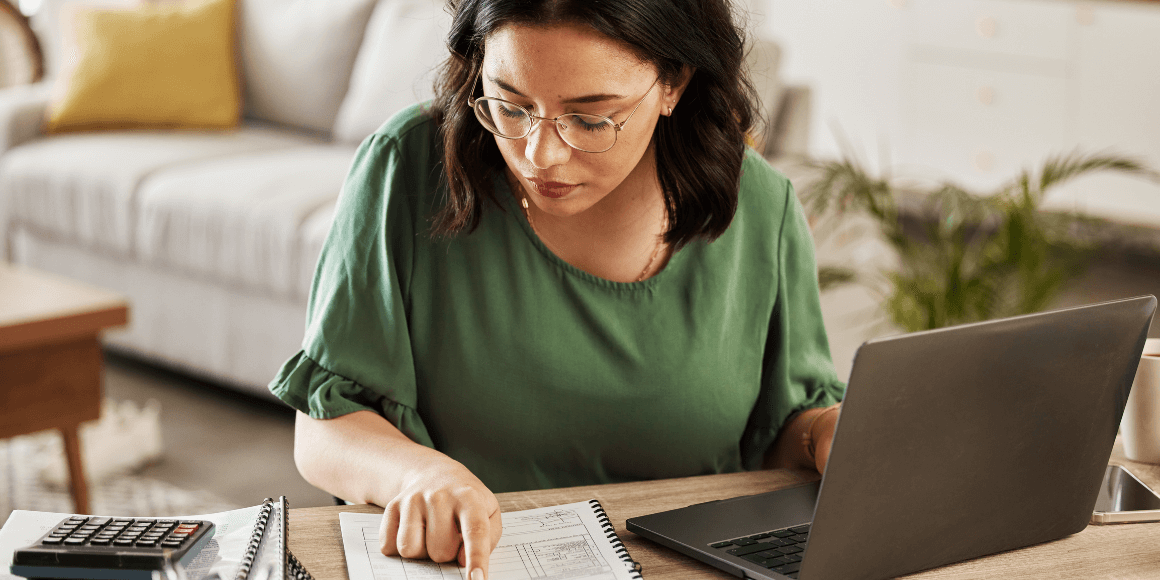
x: 963, y: 257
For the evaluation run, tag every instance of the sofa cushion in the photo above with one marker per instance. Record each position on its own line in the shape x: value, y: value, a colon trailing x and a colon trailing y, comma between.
x: 383, y: 81
x: 47, y: 25
x: 83, y: 187
x: 297, y: 57
x: 159, y: 66
x: 239, y: 220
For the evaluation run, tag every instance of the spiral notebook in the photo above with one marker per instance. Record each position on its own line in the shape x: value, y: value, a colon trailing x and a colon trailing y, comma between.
x: 267, y: 556
x: 573, y: 541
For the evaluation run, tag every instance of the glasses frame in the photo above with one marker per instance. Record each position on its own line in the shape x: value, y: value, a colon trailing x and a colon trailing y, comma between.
x: 474, y: 104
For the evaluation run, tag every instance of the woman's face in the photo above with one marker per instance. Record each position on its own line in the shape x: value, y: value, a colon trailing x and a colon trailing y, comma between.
x: 573, y: 69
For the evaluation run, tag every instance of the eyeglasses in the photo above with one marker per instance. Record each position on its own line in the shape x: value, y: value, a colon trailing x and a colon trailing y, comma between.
x: 587, y: 133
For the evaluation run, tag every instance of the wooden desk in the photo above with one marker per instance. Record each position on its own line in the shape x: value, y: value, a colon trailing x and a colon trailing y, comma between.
x: 1113, y: 551
x: 50, y: 358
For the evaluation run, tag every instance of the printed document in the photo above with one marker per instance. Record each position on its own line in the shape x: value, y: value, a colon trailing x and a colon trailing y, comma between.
x: 553, y: 543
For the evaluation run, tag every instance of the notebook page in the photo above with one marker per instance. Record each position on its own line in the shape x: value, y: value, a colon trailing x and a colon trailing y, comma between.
x: 558, y: 542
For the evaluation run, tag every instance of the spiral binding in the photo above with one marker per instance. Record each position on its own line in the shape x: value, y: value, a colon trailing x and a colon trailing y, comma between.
x: 295, y: 571
x: 255, y: 540
x: 610, y: 533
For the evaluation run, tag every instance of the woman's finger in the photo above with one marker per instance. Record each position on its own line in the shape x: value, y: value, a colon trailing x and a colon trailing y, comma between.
x: 412, y: 529
x: 476, y: 529
x: 442, y: 529
x: 496, y: 522
x: 389, y: 530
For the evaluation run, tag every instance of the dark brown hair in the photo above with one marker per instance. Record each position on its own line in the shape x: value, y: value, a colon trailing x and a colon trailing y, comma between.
x: 699, y: 148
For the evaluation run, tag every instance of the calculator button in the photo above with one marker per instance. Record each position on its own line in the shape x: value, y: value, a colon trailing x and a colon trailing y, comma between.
x: 89, y: 528
x: 171, y: 543
x: 77, y: 519
x: 125, y: 521
x: 101, y: 541
x: 168, y: 522
x: 59, y: 533
x: 74, y: 541
x: 99, y: 521
x: 190, y: 523
x: 123, y: 542
x: 144, y: 543
x: 51, y: 540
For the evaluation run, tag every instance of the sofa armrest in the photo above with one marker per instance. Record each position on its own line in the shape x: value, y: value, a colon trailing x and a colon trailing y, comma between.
x: 22, y: 110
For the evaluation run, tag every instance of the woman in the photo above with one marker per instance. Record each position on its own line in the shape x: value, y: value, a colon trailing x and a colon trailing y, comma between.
x: 519, y: 289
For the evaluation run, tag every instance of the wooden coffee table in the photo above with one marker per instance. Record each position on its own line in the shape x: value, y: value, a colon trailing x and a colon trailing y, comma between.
x: 50, y: 358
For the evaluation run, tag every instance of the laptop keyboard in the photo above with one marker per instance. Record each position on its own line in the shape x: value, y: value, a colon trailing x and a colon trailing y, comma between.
x: 779, y: 550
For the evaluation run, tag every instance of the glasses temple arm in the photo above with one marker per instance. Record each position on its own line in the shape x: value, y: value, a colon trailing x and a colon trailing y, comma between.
x: 620, y: 125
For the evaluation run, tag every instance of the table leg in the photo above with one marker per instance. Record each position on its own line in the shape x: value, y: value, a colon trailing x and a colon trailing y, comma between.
x: 76, y: 470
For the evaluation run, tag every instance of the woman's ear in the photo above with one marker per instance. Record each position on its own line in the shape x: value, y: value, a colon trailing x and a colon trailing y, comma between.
x: 672, y: 93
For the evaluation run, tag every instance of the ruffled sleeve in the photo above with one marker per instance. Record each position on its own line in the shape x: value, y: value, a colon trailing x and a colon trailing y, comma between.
x: 308, y: 387
x: 356, y: 354
x: 797, y: 372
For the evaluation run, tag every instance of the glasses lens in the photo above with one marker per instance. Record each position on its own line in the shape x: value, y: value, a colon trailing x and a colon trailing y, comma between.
x: 591, y: 133
x: 503, y: 118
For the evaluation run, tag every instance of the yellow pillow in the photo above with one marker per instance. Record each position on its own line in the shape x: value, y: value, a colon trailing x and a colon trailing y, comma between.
x: 156, y: 66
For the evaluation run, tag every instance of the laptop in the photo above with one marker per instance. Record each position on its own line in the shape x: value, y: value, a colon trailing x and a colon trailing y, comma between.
x: 952, y: 444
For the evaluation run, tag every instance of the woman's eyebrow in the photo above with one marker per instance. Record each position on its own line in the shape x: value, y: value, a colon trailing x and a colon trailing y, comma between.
x: 599, y: 98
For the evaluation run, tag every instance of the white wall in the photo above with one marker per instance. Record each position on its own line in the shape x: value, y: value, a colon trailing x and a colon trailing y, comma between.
x: 849, y: 53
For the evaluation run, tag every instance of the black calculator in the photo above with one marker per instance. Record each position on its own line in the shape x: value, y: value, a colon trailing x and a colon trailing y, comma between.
x: 111, y: 548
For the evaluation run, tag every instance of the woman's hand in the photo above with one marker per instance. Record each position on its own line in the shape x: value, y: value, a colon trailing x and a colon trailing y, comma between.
x: 804, y: 441
x: 443, y: 513
x: 822, y: 433
x: 435, y: 507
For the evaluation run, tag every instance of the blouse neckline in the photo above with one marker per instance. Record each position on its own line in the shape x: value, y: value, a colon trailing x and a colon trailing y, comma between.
x: 512, y: 205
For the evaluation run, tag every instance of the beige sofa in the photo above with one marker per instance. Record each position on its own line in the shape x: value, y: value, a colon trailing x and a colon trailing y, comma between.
x: 213, y: 236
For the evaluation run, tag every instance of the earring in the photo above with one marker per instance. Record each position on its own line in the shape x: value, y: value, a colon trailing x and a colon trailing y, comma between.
x: 670, y: 112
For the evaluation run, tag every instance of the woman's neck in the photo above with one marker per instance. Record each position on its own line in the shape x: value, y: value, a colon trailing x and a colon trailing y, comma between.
x: 618, y: 238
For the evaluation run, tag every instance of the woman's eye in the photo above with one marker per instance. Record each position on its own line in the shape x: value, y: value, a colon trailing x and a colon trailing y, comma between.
x: 511, y: 112
x: 589, y: 124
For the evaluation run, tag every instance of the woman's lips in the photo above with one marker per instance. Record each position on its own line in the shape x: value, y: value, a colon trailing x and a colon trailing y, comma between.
x: 552, y: 189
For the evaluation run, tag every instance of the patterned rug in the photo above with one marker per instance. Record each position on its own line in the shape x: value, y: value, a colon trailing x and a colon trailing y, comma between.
x: 23, y: 461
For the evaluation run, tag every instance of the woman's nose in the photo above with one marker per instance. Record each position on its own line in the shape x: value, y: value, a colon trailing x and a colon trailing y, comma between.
x: 545, y: 148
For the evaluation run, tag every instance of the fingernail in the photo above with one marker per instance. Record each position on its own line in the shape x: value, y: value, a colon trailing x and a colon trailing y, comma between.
x: 477, y: 574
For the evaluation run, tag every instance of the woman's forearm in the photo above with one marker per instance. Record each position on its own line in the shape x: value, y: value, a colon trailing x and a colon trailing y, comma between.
x: 360, y: 457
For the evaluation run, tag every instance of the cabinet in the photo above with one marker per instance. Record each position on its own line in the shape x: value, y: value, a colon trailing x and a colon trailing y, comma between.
x: 992, y: 86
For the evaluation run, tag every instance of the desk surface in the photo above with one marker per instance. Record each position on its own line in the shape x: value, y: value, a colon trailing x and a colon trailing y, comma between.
x: 1112, y: 551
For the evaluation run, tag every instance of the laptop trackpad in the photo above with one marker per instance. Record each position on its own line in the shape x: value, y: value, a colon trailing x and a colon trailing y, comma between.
x: 699, y: 525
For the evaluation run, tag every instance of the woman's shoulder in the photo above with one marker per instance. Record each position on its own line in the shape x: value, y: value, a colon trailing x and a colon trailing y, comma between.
x: 409, y: 139
x: 395, y: 175
x: 410, y: 126
x: 404, y: 156
x: 764, y: 191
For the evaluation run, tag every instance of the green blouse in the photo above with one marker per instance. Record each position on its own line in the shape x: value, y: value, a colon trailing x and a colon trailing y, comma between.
x: 535, y: 374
